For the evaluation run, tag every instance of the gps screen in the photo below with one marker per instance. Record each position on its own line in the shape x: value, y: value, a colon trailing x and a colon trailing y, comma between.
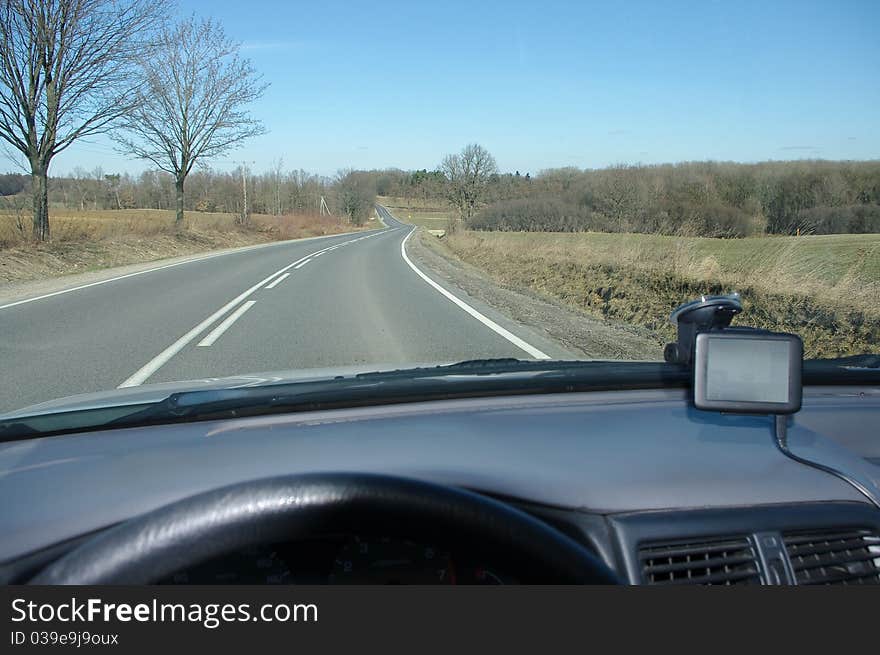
x: 748, y: 370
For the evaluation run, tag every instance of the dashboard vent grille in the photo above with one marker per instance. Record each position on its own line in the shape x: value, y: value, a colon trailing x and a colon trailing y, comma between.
x: 725, y: 561
x: 834, y: 556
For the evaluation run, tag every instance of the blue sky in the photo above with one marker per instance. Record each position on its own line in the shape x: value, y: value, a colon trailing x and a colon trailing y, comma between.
x: 544, y: 84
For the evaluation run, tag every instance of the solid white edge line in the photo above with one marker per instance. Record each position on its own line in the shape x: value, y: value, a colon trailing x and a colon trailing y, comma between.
x: 278, y: 280
x: 488, y: 322
x: 218, y: 331
x: 191, y: 260
x: 142, y: 374
x: 112, y: 279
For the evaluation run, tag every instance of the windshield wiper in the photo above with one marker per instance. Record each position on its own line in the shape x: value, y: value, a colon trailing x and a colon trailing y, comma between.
x: 488, y: 366
x: 866, y: 360
x: 468, y: 379
x: 477, y: 378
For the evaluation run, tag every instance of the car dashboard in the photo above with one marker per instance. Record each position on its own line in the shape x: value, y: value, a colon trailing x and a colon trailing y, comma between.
x: 346, y: 560
x: 662, y: 492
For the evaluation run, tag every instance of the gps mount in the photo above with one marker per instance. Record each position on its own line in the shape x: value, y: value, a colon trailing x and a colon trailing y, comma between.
x: 706, y: 313
x: 745, y: 370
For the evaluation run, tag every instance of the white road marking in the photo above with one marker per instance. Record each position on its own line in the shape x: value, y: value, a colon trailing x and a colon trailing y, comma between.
x: 278, y: 280
x: 301, y: 264
x: 218, y: 331
x: 141, y: 375
x: 159, y: 268
x: 488, y: 322
x: 112, y: 279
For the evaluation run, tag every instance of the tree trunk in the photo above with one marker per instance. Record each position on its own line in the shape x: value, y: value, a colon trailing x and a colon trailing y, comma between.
x: 178, y: 186
x: 40, y: 193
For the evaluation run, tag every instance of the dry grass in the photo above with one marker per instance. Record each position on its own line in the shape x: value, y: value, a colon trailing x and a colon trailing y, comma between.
x: 84, y: 241
x: 68, y: 225
x: 826, y: 288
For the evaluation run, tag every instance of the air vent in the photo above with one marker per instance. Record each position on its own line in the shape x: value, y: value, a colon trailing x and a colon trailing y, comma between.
x: 834, y: 556
x: 725, y: 561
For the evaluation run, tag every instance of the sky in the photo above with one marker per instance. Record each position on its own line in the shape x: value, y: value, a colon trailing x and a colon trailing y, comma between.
x: 545, y: 84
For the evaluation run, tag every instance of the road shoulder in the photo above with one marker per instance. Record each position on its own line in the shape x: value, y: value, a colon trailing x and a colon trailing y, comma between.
x: 577, y: 332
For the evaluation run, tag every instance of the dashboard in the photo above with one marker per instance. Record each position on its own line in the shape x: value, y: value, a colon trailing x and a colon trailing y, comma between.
x: 812, y: 543
x: 661, y: 492
x: 346, y: 560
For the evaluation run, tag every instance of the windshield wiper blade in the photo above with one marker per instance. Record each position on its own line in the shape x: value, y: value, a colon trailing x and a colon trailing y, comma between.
x: 489, y: 366
x: 468, y: 366
x: 465, y: 380
x: 866, y: 360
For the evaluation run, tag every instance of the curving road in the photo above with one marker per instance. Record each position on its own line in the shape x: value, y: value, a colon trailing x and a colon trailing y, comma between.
x: 344, y: 300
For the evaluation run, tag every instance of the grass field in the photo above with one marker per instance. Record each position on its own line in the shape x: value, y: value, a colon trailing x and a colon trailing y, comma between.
x: 826, y: 288
x: 71, y: 225
x: 90, y: 240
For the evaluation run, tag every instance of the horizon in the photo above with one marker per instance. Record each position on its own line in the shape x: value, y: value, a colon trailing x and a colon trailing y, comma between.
x: 395, y: 86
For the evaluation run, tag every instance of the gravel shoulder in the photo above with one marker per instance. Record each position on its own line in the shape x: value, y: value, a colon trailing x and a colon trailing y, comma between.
x: 578, y: 332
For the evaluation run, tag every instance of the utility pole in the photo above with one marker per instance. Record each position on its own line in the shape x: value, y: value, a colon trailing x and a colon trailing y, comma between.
x: 324, y: 208
x: 244, y: 193
x: 244, y: 212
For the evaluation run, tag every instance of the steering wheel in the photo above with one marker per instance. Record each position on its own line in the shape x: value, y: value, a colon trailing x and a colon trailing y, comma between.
x: 150, y: 547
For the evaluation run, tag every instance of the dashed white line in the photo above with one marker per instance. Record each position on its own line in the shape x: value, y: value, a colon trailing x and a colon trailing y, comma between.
x: 488, y: 322
x: 278, y: 280
x: 142, y: 374
x: 190, y: 260
x: 301, y: 264
x: 218, y: 331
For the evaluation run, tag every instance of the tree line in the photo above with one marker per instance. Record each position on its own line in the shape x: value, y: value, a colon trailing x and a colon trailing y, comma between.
x: 716, y: 199
x: 696, y: 198
x: 349, y: 194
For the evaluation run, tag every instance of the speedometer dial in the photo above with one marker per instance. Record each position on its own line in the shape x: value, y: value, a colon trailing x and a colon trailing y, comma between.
x: 388, y: 561
x: 254, y: 565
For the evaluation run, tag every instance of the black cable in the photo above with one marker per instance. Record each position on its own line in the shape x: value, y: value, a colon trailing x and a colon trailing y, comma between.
x: 781, y: 438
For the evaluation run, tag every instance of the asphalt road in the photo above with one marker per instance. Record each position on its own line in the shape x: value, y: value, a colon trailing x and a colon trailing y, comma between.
x: 344, y: 300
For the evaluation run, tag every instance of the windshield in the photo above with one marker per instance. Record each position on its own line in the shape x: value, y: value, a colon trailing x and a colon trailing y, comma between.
x: 215, y: 197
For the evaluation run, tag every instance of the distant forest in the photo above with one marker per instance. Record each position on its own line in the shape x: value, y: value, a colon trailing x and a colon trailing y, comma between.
x: 697, y: 198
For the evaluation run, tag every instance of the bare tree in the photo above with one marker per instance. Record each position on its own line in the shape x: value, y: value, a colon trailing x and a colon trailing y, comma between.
x: 451, y: 166
x: 356, y: 194
x: 113, y: 183
x: 82, y: 182
x: 191, y: 106
x: 616, y: 195
x: 97, y: 186
x: 467, y: 175
x: 65, y: 73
